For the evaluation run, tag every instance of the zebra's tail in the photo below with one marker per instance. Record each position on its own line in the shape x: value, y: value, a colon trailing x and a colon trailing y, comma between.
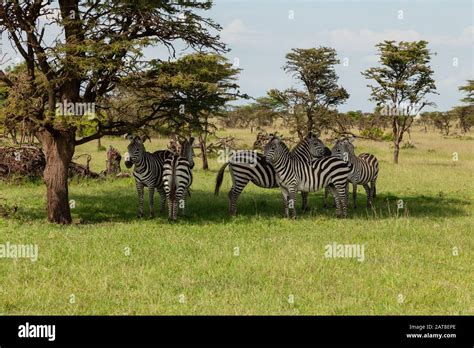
x: 220, y: 178
x: 173, y: 180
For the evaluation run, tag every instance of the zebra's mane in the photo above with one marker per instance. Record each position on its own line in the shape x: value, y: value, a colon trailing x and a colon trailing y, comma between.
x: 301, y: 144
x: 280, y: 142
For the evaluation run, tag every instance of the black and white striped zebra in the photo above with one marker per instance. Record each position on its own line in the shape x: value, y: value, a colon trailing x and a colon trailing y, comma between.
x: 177, y: 178
x: 249, y: 166
x: 148, y: 171
x: 295, y: 173
x: 364, y: 169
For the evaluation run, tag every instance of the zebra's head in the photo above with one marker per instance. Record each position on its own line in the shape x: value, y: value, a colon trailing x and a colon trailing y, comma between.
x: 187, y: 151
x: 270, y: 151
x: 343, y: 148
x: 136, y: 149
x: 317, y: 148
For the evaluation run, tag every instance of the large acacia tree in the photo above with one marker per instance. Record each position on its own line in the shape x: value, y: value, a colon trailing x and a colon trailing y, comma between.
x: 401, y: 84
x: 313, y: 68
x: 95, y: 44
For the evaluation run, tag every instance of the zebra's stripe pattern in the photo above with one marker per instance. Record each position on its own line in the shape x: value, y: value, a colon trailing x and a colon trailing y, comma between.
x: 148, y: 171
x: 249, y: 166
x: 295, y: 173
x: 364, y: 169
x: 177, y: 179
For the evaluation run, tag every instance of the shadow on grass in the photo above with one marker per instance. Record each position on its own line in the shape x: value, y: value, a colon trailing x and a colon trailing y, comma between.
x: 119, y: 205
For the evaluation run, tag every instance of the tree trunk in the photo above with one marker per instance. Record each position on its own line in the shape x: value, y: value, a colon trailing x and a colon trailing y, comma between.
x: 99, y: 144
x: 202, y: 145
x: 58, y: 147
x: 396, y: 151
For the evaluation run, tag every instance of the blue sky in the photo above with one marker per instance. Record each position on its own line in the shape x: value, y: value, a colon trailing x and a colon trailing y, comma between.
x: 260, y: 33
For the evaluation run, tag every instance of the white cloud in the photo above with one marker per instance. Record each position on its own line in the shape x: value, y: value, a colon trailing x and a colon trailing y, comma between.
x: 466, y: 38
x: 364, y: 40
x: 237, y: 33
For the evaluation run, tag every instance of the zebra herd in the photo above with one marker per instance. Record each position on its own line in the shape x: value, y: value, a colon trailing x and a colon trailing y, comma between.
x: 310, y: 166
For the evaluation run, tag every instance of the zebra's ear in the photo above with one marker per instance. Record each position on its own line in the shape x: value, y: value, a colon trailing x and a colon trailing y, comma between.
x: 128, y: 136
x: 191, y: 141
x: 351, y: 139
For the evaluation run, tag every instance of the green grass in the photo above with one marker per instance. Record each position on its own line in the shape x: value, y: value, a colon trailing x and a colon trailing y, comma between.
x: 411, y: 254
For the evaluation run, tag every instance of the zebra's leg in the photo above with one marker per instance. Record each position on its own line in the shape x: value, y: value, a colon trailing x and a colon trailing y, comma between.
x: 373, y: 184
x: 284, y: 194
x: 346, y: 194
x: 162, y: 200
x: 139, y: 186
x: 304, y: 197
x: 292, y: 203
x: 337, y: 200
x: 343, y: 193
x: 367, y: 191
x: 234, y: 194
x: 151, y: 203
x: 170, y: 208
x: 372, y: 191
x: 175, y: 210
x: 354, y: 194
x: 182, y: 204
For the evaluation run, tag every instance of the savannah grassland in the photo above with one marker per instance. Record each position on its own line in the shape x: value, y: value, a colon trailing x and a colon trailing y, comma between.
x: 419, y: 261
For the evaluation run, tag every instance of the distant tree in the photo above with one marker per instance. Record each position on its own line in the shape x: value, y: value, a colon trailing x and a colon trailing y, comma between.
x: 402, y: 81
x: 320, y: 93
x: 465, y: 113
x: 259, y: 114
x: 443, y: 121
x: 426, y: 120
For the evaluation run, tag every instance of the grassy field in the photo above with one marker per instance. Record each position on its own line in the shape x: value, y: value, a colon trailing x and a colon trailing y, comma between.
x: 420, y: 261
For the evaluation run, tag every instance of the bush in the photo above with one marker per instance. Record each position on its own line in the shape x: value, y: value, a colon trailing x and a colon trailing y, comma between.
x: 408, y: 145
x: 374, y: 133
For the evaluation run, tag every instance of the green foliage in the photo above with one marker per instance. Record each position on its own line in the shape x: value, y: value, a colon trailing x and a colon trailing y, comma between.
x: 402, y: 82
x: 469, y: 90
x: 188, y: 90
x: 261, y: 113
x: 374, y: 133
x: 310, y: 108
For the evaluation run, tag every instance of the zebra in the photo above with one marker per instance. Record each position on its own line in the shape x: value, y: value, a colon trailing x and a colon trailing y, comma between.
x: 249, y: 166
x: 148, y: 171
x: 364, y: 169
x: 296, y: 173
x: 178, y: 177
